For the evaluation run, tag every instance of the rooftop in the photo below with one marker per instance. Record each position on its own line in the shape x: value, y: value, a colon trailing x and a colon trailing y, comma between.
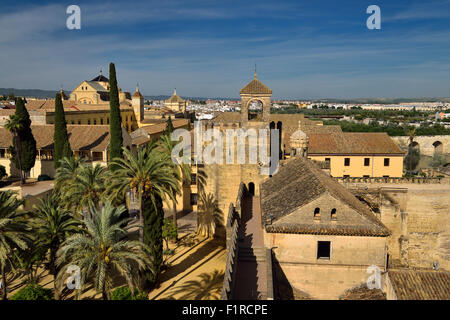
x: 81, y: 137
x: 298, y: 183
x: 352, y: 143
x: 420, y: 284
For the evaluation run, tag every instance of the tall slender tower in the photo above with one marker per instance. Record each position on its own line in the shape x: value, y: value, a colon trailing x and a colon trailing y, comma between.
x: 137, y: 102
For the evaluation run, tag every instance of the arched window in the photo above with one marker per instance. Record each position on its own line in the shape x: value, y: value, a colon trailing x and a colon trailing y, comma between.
x: 317, y: 213
x: 333, y: 214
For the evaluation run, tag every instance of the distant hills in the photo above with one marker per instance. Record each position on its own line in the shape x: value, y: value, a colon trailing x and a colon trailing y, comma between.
x: 42, y: 94
x: 37, y: 93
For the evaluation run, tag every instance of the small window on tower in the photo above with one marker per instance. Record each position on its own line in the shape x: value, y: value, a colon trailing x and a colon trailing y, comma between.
x: 366, y: 162
x: 347, y: 162
x: 386, y: 162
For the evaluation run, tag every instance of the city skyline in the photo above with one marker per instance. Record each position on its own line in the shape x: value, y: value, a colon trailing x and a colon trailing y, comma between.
x: 302, y: 51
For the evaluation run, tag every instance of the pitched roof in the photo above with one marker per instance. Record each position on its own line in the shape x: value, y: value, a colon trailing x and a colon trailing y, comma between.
x: 299, y: 182
x: 69, y: 105
x: 255, y: 87
x: 420, y: 284
x: 100, y: 78
x: 81, y: 137
x: 141, y: 135
x: 352, y: 143
x: 96, y: 86
x: 137, y: 94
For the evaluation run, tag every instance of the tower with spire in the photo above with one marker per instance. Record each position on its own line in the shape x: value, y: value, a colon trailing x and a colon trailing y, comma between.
x: 137, y: 102
x: 255, y: 90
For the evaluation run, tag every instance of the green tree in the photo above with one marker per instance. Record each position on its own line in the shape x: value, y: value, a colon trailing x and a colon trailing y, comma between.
x: 116, y: 141
x: 24, y: 144
x: 33, y: 292
x: 67, y: 173
x: 14, y: 126
x: 60, y: 136
x: 183, y: 170
x: 169, y: 232
x: 14, y: 232
x: 53, y: 225
x: 153, y: 236
x: 150, y: 173
x: 102, y: 252
x: 86, y: 189
x: 169, y: 127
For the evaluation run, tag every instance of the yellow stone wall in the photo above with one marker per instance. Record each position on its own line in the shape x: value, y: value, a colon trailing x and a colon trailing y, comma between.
x: 321, y: 278
x: 376, y: 167
x: 97, y: 117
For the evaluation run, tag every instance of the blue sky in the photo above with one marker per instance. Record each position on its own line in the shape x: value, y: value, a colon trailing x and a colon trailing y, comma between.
x: 303, y: 49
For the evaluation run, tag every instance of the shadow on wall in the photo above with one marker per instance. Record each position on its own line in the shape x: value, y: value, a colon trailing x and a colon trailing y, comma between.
x: 282, y: 289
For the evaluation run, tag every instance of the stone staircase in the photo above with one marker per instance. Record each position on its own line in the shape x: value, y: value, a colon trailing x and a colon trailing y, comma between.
x: 256, y: 254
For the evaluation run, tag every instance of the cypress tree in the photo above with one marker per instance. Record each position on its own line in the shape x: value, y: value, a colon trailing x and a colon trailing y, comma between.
x: 169, y: 127
x: 60, y: 136
x: 116, y: 141
x: 26, y: 139
x: 153, y: 224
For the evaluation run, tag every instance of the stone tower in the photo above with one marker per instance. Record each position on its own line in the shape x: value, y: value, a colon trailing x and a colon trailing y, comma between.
x: 255, y: 90
x: 299, y: 144
x: 137, y: 101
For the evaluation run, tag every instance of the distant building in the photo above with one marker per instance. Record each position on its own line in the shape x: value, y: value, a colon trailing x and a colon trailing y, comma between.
x: 176, y: 103
x: 88, y: 142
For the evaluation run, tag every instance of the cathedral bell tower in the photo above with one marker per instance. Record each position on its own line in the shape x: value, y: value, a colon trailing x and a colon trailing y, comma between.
x: 255, y: 90
x: 137, y: 101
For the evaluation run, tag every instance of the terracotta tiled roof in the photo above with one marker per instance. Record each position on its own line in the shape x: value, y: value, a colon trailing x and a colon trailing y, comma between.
x: 255, y: 87
x: 420, y: 284
x: 141, y: 135
x: 70, y: 105
x: 352, y: 143
x: 81, y: 137
x: 299, y: 182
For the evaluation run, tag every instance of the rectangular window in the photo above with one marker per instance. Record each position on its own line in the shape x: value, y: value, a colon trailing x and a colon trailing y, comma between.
x: 366, y: 162
x: 194, y: 198
x: 2, y: 153
x: 97, y: 156
x: 193, y: 178
x: 327, y: 160
x: 346, y: 176
x: 366, y: 176
x: 324, y: 250
x: 386, y: 162
x: 347, y: 162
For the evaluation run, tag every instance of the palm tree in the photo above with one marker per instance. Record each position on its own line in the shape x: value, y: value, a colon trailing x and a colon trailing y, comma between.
x: 54, y: 224
x: 86, y: 189
x: 102, y: 251
x: 183, y: 169
x: 67, y: 172
x: 150, y: 173
x: 209, y: 214
x: 14, y: 126
x: 13, y: 231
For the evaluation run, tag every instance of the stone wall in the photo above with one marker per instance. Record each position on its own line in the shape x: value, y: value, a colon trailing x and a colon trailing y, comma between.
x: 321, y: 278
x: 425, y: 143
x: 418, y: 216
